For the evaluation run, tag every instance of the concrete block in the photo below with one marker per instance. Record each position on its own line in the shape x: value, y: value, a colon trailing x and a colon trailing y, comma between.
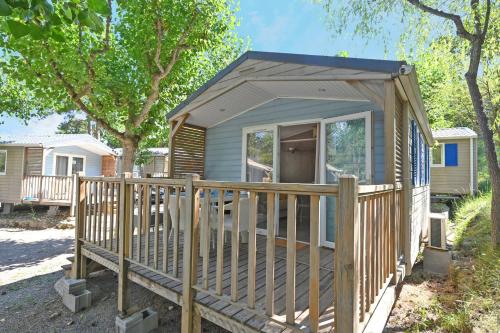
x: 437, y: 260
x: 70, y: 286
x: 53, y: 210
x: 78, y: 302
x: 7, y: 208
x: 140, y: 322
x: 74, y: 295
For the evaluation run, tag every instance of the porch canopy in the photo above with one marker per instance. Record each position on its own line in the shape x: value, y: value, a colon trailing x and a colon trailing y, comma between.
x: 257, y: 78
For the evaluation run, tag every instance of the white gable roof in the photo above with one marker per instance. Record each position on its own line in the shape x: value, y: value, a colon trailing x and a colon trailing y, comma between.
x: 84, y: 141
x: 454, y: 133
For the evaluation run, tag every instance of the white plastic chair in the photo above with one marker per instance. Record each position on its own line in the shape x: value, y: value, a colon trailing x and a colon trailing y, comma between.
x: 228, y: 219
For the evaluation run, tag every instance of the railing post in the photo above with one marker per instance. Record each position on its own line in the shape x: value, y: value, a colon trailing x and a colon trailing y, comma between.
x: 190, y: 255
x: 346, y: 273
x: 79, y: 226
x: 124, y: 223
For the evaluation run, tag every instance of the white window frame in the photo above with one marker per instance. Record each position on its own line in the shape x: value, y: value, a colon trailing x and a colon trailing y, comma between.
x: 368, y: 144
x: 70, y: 162
x: 440, y: 165
x: 3, y: 173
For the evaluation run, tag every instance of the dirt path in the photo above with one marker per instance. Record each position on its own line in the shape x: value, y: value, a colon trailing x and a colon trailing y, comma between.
x: 29, y: 267
x: 29, y: 253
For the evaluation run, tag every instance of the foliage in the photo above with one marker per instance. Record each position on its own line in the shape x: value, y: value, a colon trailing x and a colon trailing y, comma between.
x: 431, y: 44
x: 72, y: 124
x: 465, y: 212
x: 469, y: 300
x: 125, y: 64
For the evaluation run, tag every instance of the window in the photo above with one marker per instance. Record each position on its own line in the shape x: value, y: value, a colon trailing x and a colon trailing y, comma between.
x: 438, y: 156
x: 67, y: 165
x: 445, y: 155
x: 61, y: 165
x: 3, y: 162
x: 77, y: 165
x: 420, y: 157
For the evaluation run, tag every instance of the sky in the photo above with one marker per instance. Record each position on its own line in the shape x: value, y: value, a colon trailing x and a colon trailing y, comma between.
x: 292, y: 26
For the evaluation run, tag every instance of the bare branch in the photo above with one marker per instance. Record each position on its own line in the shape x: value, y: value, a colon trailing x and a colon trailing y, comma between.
x: 163, y: 71
x: 461, y: 31
x: 76, y: 98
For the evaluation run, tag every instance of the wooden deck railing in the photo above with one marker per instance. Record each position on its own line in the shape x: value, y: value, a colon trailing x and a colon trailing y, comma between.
x: 121, y: 214
x: 47, y: 188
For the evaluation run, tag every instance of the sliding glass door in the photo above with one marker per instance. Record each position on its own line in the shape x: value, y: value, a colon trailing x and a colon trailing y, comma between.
x: 346, y: 149
x: 259, y: 149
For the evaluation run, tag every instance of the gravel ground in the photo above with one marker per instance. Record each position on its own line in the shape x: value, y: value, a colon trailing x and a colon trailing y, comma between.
x: 30, y: 266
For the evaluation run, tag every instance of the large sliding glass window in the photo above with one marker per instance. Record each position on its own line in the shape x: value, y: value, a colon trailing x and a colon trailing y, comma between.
x: 259, y: 165
x: 259, y: 156
x: 347, y: 152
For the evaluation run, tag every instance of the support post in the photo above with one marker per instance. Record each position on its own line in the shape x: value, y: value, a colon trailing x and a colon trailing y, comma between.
x: 124, y: 221
x: 390, y: 168
x: 74, y: 189
x: 79, y: 201
x: 346, y: 273
x: 405, y: 218
x: 190, y: 255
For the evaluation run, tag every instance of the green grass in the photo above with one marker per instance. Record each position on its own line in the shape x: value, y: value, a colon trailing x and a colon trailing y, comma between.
x: 470, y: 299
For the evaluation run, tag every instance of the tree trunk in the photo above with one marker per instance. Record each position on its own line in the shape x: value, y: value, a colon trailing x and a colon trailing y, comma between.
x: 489, y: 143
x: 128, y: 156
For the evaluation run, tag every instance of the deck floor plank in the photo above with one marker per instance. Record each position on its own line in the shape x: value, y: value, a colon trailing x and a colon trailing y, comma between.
x: 236, y: 311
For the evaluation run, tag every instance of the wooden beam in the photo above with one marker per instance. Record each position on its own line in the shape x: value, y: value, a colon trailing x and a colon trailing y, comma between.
x: 366, y: 91
x: 346, y: 272
x: 389, y: 129
x: 125, y: 221
x: 179, y: 123
x: 406, y: 202
x: 190, y: 256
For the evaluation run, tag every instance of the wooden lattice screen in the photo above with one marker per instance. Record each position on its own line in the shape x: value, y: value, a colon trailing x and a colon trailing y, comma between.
x: 188, y: 155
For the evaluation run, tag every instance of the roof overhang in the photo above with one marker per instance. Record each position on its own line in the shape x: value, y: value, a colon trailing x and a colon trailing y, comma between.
x: 257, y: 78
x: 96, y: 148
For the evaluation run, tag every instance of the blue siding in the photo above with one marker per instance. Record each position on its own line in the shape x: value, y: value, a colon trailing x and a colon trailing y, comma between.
x: 224, y: 142
x: 92, y: 160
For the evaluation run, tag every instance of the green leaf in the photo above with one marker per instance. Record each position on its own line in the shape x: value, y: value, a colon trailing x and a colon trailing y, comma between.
x: 55, y: 19
x: 36, y: 31
x: 5, y: 9
x: 100, y: 7
x: 67, y: 12
x: 24, y: 4
x: 57, y: 35
x: 18, y: 29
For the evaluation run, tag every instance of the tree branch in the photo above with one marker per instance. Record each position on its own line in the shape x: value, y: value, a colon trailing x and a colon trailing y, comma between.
x: 94, y: 53
x: 76, y: 98
x: 461, y: 31
x: 163, y: 71
x: 486, y: 19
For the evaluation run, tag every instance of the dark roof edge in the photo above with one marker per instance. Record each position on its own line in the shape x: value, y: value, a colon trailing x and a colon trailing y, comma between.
x: 384, y: 66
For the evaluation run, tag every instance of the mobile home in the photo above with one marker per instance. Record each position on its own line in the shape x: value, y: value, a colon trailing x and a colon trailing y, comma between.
x: 454, y: 162
x: 321, y: 164
x: 39, y: 169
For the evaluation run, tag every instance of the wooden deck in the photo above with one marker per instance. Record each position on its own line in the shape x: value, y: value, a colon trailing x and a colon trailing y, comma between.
x: 263, y: 285
x: 212, y: 306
